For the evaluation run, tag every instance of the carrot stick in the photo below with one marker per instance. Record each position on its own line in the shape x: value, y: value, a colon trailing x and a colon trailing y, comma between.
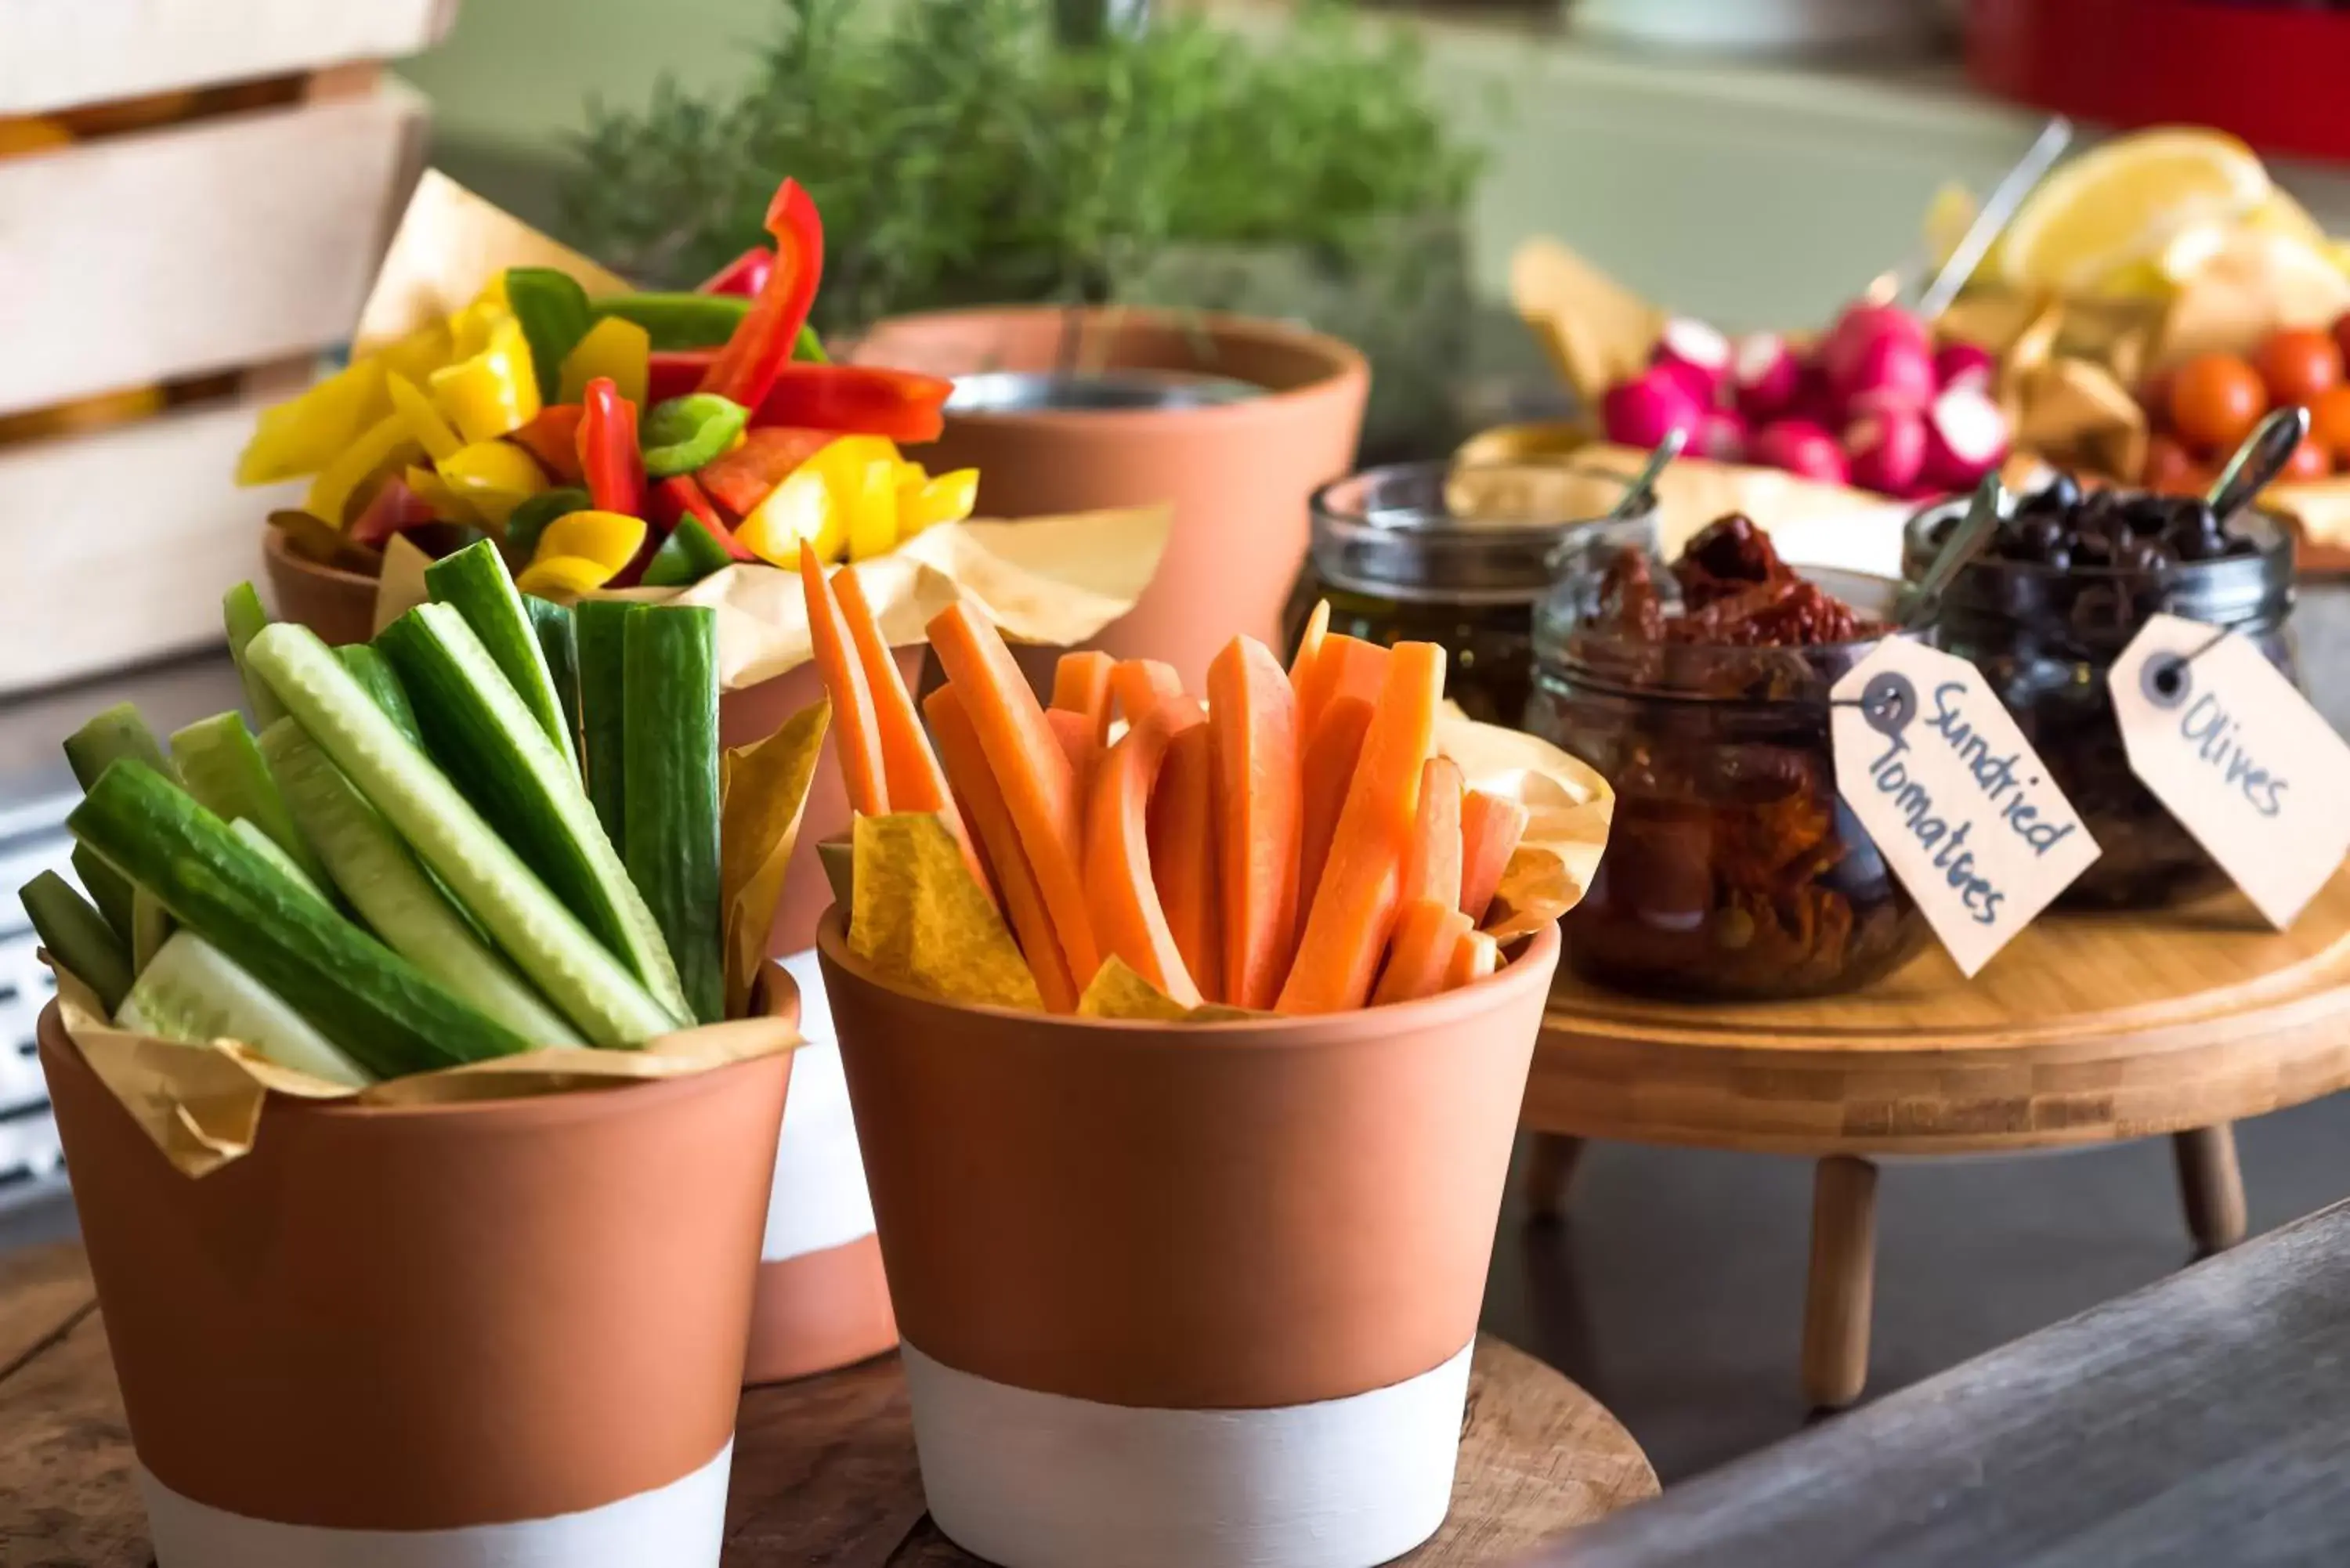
x: 1137, y: 685
x: 1183, y: 845
x: 916, y: 782
x: 1432, y: 868
x: 1477, y: 956
x: 1259, y: 799
x: 1354, y: 907
x: 1123, y: 896
x: 1029, y: 768
x: 1327, y: 768
x: 1081, y: 684
x: 1427, y: 936
x: 1081, y: 746
x: 1345, y: 667
x: 991, y: 821
x: 854, y: 723
x: 1491, y: 826
x: 1309, y: 641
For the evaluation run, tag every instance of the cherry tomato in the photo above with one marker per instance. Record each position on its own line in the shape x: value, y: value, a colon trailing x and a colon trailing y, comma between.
x: 2329, y: 421
x: 2296, y: 363
x: 2215, y: 401
x: 2309, y: 460
x: 2166, y: 462
x: 2341, y: 337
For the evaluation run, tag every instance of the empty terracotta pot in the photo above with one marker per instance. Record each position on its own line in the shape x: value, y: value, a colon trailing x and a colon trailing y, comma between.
x: 501, y: 1333
x: 1175, y: 1294
x: 339, y: 605
x: 1238, y: 474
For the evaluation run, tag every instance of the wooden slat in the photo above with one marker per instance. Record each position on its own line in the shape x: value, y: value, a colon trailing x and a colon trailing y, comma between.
x: 205, y: 247
x: 58, y: 53
x: 2201, y: 1420
x: 43, y: 1291
x: 122, y: 541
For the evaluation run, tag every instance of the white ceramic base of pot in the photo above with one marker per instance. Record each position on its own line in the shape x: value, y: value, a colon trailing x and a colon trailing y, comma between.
x: 1040, y: 1480
x: 819, y: 1200
x: 681, y: 1525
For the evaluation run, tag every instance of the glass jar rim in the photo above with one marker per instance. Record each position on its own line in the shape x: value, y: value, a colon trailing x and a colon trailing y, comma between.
x: 2249, y: 576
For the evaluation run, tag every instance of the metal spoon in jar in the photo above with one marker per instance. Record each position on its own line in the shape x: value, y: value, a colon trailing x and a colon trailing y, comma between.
x: 1642, y: 491
x: 2261, y: 459
x: 2000, y: 206
x: 1965, y: 543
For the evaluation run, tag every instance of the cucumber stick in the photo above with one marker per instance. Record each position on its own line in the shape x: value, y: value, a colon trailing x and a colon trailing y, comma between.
x: 261, y: 844
x: 381, y: 880
x: 373, y: 672
x: 151, y: 927
x: 108, y: 891
x: 479, y: 731
x: 241, y: 611
x: 119, y: 731
x: 78, y: 937
x: 193, y: 993
x: 222, y: 767
x: 671, y: 846
x: 600, y: 626
x: 474, y: 583
x: 380, y: 1009
x: 560, y: 643
x: 545, y: 940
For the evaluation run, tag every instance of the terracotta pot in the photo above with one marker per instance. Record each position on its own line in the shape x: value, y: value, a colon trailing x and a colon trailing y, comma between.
x: 1238, y: 474
x: 496, y: 1334
x: 339, y: 605
x: 1180, y: 1294
x: 824, y: 1300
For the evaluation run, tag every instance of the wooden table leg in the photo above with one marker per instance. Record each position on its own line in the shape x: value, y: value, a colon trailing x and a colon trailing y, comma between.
x: 1843, y: 1280
x: 2211, y: 1186
x: 1549, y: 1174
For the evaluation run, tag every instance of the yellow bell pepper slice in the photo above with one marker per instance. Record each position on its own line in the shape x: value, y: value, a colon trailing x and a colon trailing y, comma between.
x: 493, y: 392
x: 873, y: 516
x: 494, y: 477
x: 948, y: 498
x: 380, y: 448
x: 307, y: 433
x: 564, y: 577
x: 419, y: 354
x: 441, y: 496
x: 610, y: 539
x: 423, y: 421
x: 799, y: 511
x: 619, y: 349
x: 472, y: 329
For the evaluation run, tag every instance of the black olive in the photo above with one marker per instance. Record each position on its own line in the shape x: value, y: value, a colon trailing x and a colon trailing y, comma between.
x: 2064, y: 492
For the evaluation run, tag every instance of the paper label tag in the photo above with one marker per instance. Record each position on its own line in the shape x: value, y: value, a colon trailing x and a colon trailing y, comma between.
x: 1956, y: 798
x: 2242, y: 761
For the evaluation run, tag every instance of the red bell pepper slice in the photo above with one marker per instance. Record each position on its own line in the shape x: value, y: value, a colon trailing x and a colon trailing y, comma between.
x: 761, y: 345
x: 742, y: 479
x: 744, y: 276
x: 678, y: 497
x: 553, y: 438
x: 674, y: 372
x: 857, y: 400
x: 392, y: 507
x: 609, y: 463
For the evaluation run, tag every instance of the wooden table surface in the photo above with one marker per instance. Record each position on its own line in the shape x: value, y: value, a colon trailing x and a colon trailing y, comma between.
x: 823, y: 1469
x: 2203, y: 1420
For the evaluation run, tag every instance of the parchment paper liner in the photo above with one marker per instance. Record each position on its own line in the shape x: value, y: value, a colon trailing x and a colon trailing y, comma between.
x: 1051, y: 580
x: 201, y: 1104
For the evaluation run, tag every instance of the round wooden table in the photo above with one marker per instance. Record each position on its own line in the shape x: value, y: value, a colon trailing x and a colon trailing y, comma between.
x: 824, y: 1468
x: 2087, y: 1028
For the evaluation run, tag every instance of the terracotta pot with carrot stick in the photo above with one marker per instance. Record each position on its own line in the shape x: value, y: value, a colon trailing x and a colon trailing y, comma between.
x: 1161, y: 1119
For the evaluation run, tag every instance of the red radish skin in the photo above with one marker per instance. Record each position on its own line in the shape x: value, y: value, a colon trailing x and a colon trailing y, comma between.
x: 1803, y: 448
x: 1814, y: 401
x: 1967, y: 436
x: 1860, y: 328
x: 1965, y: 365
x: 1697, y: 355
x: 1765, y: 373
x: 1643, y: 411
x: 1884, y: 373
x: 1886, y: 451
x: 1720, y: 435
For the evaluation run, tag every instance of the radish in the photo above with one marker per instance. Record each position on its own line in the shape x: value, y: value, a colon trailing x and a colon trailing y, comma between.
x: 1862, y: 325
x: 1966, y: 437
x: 1801, y: 448
x: 1639, y: 412
x: 1965, y: 365
x: 1697, y: 355
x: 1887, y: 449
x: 1814, y: 399
x: 1720, y: 435
x: 1888, y: 371
x: 1764, y: 371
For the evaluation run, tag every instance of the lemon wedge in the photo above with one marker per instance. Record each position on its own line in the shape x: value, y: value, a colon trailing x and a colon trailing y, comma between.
x: 2123, y: 201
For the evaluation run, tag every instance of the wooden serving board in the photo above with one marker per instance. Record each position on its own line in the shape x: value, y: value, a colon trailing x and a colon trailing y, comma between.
x: 824, y: 1468
x: 2086, y: 1029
